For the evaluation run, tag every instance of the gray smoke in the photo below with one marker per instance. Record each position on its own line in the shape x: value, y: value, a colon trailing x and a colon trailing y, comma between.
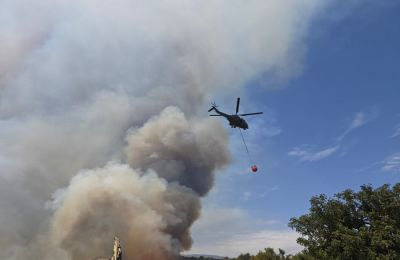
x: 151, y: 211
x: 180, y: 151
x: 80, y: 84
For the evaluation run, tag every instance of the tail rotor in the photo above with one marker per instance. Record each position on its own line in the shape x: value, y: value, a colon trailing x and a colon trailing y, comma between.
x: 213, y: 106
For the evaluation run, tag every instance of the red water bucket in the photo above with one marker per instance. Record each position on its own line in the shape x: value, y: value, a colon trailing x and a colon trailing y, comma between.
x: 254, y: 168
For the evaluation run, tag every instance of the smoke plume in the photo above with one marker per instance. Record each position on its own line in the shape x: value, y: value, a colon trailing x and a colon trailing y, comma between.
x: 100, y: 130
x: 180, y: 151
x: 150, y: 211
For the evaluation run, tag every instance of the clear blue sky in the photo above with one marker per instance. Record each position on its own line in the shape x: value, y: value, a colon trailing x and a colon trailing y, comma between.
x: 331, y: 128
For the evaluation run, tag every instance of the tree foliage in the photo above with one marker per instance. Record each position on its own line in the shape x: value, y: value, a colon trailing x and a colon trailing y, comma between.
x: 352, y: 225
x: 270, y: 254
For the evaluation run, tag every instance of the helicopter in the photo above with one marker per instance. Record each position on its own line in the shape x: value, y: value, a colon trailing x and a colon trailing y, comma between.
x: 234, y: 120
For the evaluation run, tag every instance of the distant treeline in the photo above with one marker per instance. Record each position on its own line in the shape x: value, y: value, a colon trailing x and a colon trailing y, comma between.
x: 351, y: 225
x: 266, y: 254
x: 200, y: 258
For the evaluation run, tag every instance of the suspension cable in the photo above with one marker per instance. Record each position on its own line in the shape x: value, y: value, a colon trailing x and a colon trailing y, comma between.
x: 245, y: 145
x: 253, y: 166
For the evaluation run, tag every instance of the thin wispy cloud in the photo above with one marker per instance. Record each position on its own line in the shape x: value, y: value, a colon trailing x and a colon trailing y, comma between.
x: 310, y: 156
x: 396, y: 132
x: 273, y: 188
x: 370, y: 166
x: 389, y: 164
x: 246, y: 195
x: 392, y: 163
x: 305, y: 153
x: 359, y: 119
x: 269, y: 190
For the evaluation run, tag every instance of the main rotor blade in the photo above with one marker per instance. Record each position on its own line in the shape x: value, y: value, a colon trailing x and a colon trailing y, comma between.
x: 214, y: 115
x: 210, y: 109
x: 237, y: 105
x: 249, y: 114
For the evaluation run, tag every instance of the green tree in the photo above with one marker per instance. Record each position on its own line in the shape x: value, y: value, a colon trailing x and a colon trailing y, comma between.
x: 269, y: 254
x: 301, y: 256
x: 243, y: 257
x: 352, y: 225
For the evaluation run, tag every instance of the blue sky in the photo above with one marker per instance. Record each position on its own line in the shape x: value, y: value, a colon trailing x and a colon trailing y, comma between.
x: 335, y: 126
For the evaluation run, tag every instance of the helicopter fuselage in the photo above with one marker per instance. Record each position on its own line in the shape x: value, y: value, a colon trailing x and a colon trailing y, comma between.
x: 237, y: 121
x: 234, y: 120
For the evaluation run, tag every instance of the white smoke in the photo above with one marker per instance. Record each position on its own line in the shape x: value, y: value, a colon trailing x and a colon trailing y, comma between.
x: 76, y: 75
x: 139, y: 208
